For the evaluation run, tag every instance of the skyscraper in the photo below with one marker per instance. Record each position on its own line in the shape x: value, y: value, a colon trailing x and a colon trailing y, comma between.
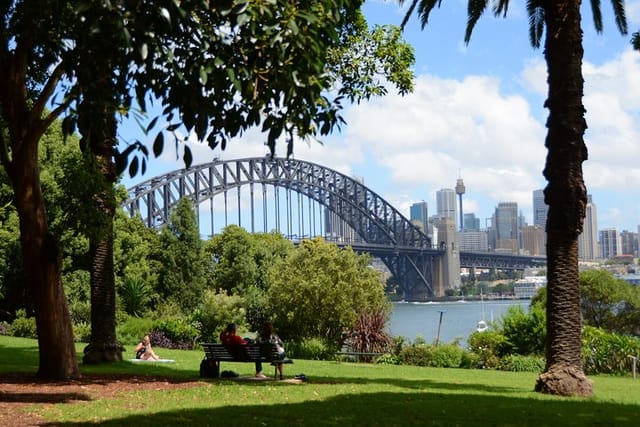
x: 446, y: 204
x: 609, y: 243
x: 533, y: 241
x: 506, y: 227
x: 588, y: 239
x: 540, y: 209
x: 471, y: 223
x: 418, y: 214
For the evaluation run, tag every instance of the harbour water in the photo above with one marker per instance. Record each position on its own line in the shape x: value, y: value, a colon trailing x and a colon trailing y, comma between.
x: 459, y: 318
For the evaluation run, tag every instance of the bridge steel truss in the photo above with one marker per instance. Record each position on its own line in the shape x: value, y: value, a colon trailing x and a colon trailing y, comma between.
x: 382, y: 230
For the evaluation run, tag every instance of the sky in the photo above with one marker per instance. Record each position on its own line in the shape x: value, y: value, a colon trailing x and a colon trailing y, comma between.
x: 477, y: 113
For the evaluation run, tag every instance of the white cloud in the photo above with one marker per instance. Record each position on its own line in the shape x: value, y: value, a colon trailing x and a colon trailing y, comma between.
x: 448, y: 128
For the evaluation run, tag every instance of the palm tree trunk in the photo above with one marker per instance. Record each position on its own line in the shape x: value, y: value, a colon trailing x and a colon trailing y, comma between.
x: 566, y: 196
x: 42, y: 266
x: 98, y: 128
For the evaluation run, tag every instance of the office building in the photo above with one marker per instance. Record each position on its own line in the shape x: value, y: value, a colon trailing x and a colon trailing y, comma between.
x: 533, y: 240
x: 540, y: 209
x: 446, y: 204
x: 629, y: 243
x: 471, y: 223
x: 610, y: 246
x: 588, y: 239
x: 505, y: 224
x: 418, y: 215
x: 474, y: 241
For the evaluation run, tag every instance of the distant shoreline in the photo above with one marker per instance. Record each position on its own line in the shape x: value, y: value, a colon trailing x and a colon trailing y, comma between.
x: 459, y: 298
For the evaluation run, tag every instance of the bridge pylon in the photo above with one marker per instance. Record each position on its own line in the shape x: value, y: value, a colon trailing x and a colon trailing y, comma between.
x: 446, y: 269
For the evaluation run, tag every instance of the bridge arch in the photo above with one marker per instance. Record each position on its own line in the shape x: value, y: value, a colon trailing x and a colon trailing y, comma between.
x: 383, y: 231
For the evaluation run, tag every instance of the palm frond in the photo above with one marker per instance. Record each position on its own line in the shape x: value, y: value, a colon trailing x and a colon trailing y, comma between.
x: 500, y: 8
x: 409, y: 12
x: 620, y: 14
x: 596, y: 11
x: 424, y: 9
x: 535, y: 10
x: 475, y: 9
x: 635, y: 40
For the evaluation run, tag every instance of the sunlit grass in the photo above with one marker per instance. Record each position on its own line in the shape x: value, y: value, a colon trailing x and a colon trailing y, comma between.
x: 336, y: 394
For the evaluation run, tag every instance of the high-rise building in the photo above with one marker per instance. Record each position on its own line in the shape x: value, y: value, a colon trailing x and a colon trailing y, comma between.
x: 506, y: 227
x: 471, y: 223
x: 418, y: 214
x: 629, y: 242
x: 588, y: 239
x: 533, y: 241
x: 609, y: 243
x: 446, y: 204
x: 540, y: 209
x: 473, y: 241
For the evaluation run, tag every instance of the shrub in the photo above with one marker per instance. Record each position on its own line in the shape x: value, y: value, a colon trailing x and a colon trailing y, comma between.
x: 519, y: 363
x: 4, y: 328
x: 82, y: 332
x: 524, y: 332
x: 133, y: 329
x: 216, y: 311
x: 607, y: 353
x: 485, y: 345
x: 23, y: 326
x: 80, y: 312
x: 174, y: 333
x: 368, y: 334
x: 135, y: 295
x: 310, y: 349
x: 388, y: 359
x: 417, y: 355
x: 445, y: 356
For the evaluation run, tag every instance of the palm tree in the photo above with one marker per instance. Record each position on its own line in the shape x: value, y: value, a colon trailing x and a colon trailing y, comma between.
x: 565, y: 194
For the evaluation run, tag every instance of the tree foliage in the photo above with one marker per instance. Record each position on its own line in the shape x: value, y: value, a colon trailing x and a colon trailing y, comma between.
x: 320, y: 290
x: 609, y: 303
x: 182, y: 275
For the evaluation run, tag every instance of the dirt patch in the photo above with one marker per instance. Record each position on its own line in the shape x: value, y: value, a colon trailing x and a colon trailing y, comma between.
x: 19, y: 391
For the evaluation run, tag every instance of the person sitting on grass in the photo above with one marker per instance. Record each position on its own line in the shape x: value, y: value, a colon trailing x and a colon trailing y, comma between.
x: 144, y: 351
x: 229, y: 338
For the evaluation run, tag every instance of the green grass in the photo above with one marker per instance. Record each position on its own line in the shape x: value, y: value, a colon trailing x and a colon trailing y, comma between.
x: 336, y: 394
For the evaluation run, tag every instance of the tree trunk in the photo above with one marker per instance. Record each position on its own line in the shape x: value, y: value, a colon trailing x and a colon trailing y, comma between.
x: 42, y: 266
x: 98, y: 128
x: 566, y: 196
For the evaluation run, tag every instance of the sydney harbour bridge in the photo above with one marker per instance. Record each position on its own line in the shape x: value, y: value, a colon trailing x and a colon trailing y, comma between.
x: 302, y: 200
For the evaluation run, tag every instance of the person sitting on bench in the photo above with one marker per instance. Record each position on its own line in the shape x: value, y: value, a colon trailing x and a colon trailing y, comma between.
x: 229, y: 338
x: 269, y: 336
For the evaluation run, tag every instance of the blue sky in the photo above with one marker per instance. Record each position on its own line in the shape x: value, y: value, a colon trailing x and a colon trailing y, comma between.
x: 477, y: 113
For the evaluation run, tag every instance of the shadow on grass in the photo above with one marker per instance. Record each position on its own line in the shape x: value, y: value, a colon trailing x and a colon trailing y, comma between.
x: 397, y: 409
x: 420, y: 384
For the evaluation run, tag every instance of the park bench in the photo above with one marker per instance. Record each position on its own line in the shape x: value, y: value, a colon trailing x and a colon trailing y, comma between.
x: 216, y: 353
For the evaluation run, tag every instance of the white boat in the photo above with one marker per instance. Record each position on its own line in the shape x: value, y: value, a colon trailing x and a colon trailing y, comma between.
x: 482, y: 326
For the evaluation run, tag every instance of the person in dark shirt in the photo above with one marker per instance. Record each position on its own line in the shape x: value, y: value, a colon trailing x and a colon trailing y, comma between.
x: 230, y: 338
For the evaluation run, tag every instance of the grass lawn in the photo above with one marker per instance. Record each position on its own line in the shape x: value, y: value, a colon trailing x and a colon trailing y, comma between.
x: 336, y: 394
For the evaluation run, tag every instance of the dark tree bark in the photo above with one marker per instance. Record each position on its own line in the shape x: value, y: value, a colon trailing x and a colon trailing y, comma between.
x: 566, y: 196
x: 98, y: 129
x: 42, y: 266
